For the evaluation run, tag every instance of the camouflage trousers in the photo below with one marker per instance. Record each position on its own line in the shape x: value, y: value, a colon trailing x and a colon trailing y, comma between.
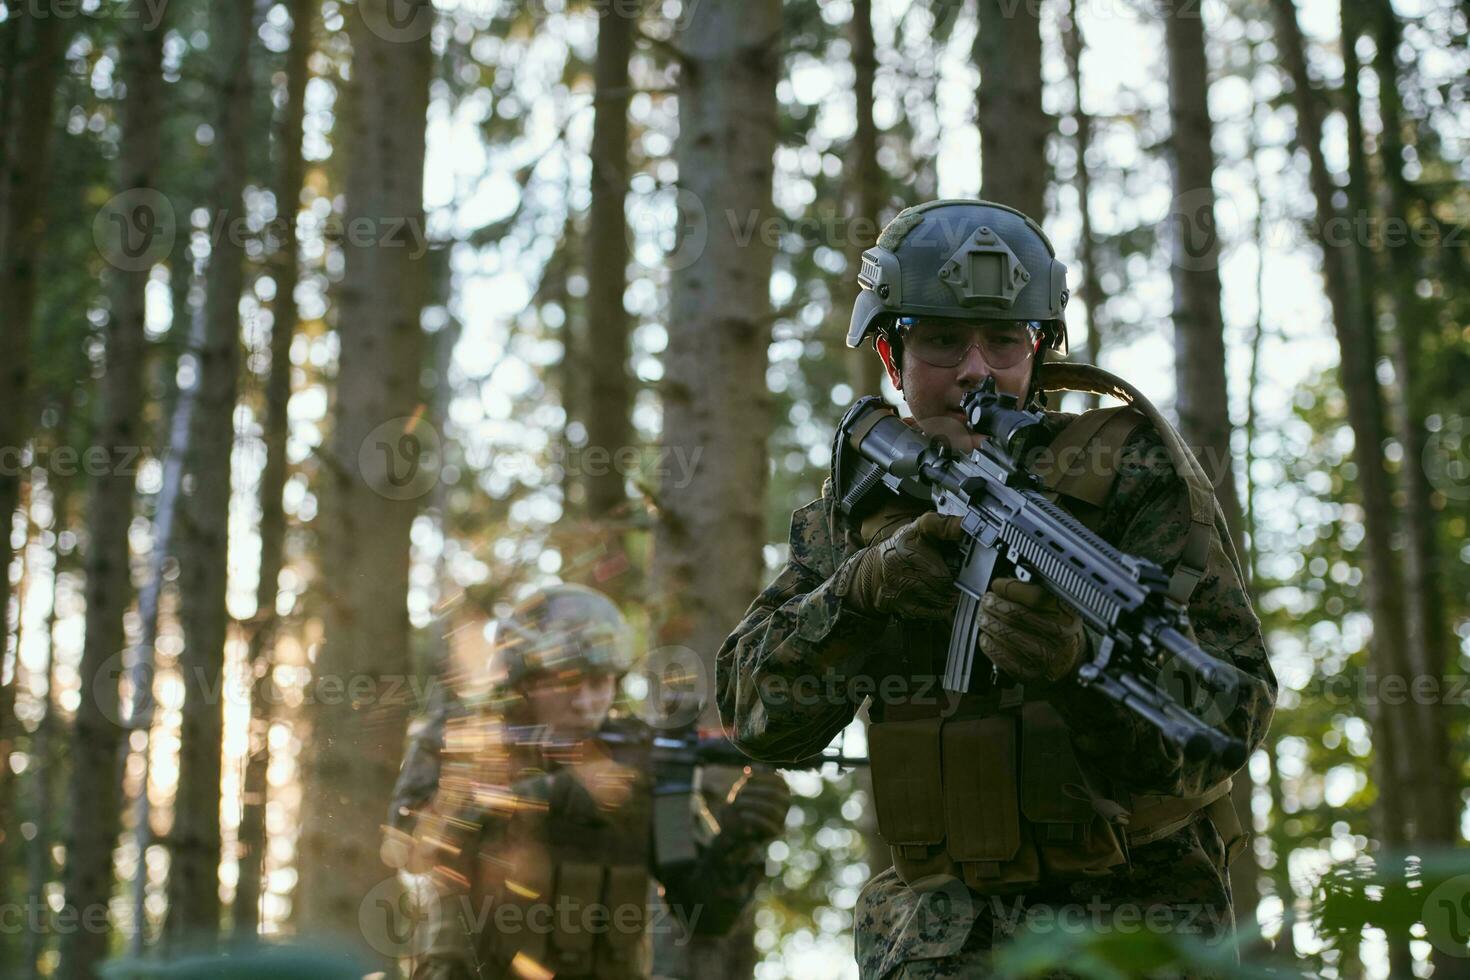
x: 943, y: 929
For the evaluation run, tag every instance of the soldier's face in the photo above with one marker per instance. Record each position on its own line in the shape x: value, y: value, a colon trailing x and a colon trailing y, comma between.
x: 934, y: 393
x: 575, y: 704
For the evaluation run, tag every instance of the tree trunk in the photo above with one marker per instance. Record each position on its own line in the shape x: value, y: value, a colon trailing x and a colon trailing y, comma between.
x: 1202, y: 394
x: 1013, y: 125
x: 707, y: 560
x: 1437, y: 811
x: 96, y: 797
x: 1202, y: 400
x: 141, y: 672
x: 1280, y: 872
x: 193, y: 884
x: 285, y: 271
x: 569, y: 375
x: 28, y: 98
x: 1090, y: 288
x: 374, y: 477
x: 51, y: 730
x: 1393, y: 733
x: 609, y: 415
x: 864, y: 196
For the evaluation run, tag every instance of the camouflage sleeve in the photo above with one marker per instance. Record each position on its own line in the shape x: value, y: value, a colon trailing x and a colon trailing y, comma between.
x: 770, y: 671
x: 1147, y: 514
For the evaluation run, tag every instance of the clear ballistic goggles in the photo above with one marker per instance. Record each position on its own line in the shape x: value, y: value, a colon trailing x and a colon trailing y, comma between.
x: 944, y: 341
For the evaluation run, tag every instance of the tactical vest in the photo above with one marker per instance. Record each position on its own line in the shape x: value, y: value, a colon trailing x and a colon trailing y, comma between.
x: 986, y: 786
x: 572, y: 879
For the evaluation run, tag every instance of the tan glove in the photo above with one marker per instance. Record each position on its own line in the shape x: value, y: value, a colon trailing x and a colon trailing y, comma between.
x: 1028, y: 634
x: 889, y: 519
x: 904, y: 574
x: 755, y: 810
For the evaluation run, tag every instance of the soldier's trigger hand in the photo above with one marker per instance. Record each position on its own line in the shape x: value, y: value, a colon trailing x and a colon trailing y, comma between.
x: 1028, y: 634
x: 905, y: 574
x: 890, y: 518
x: 756, y: 807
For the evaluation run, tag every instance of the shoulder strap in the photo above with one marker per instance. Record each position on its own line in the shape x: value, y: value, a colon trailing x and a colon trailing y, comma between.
x: 1203, y: 510
x: 1080, y: 462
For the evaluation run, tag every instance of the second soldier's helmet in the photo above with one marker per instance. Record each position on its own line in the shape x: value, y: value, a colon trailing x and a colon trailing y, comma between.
x: 561, y: 629
x: 961, y: 258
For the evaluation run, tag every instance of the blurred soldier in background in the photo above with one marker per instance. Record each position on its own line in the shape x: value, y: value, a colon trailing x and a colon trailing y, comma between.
x: 551, y: 847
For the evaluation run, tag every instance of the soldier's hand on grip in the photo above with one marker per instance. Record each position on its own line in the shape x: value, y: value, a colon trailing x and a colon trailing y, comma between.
x: 756, y: 808
x: 905, y: 574
x: 1028, y: 634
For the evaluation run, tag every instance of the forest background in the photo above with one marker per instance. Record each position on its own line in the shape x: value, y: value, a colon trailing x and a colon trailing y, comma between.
x: 482, y: 295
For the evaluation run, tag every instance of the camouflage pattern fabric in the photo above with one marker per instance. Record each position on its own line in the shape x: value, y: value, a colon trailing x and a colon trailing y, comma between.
x: 798, y: 665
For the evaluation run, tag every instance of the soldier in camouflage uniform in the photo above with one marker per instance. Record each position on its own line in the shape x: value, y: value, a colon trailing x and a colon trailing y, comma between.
x: 539, y: 822
x: 1029, y: 802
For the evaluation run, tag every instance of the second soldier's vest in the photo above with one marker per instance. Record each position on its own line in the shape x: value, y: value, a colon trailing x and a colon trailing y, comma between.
x: 986, y: 787
x: 571, y: 881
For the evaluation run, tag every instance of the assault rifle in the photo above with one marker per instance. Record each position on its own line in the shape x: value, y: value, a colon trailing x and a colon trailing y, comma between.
x: 1011, y: 526
x: 674, y: 761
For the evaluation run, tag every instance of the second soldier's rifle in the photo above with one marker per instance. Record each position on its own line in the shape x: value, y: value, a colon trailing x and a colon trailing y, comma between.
x: 675, y: 758
x: 1009, y: 523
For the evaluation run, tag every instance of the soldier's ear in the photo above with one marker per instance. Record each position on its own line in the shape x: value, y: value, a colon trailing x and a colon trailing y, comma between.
x: 885, y: 352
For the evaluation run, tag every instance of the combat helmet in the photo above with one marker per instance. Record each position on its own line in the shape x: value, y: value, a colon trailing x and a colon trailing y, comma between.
x: 961, y: 258
x: 560, y: 628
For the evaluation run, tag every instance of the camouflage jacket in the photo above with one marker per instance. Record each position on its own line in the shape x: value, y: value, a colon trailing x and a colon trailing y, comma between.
x: 798, y: 638
x: 491, y: 808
